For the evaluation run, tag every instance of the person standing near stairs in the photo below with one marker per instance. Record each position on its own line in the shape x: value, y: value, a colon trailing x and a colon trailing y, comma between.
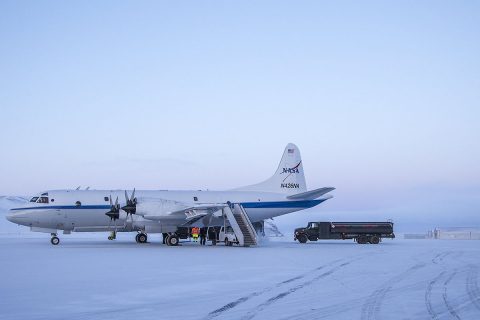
x: 203, y: 236
x: 195, y: 232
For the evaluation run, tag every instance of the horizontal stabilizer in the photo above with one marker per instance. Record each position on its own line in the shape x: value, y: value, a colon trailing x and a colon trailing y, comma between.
x: 310, y: 195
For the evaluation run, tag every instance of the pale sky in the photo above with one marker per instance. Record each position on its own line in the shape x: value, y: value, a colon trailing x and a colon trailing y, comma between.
x: 382, y: 98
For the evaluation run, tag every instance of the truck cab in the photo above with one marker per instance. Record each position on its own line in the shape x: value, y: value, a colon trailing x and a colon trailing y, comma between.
x: 310, y: 232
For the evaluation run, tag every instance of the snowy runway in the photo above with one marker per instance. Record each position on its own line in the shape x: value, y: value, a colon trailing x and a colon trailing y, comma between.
x: 88, y: 277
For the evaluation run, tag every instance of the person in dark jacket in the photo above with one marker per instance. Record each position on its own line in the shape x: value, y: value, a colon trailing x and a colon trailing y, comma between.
x: 203, y: 236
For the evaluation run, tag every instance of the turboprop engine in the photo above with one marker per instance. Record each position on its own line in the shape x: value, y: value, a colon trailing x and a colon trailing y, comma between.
x: 149, y: 208
x: 157, y: 207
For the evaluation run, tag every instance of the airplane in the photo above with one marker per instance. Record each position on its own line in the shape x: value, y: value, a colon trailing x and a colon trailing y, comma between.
x: 165, y: 211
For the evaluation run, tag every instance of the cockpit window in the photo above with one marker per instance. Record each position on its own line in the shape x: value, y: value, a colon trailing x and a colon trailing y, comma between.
x: 34, y: 199
x: 42, y: 200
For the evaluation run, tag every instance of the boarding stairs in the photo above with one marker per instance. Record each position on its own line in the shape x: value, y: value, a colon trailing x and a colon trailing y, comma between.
x: 241, y: 224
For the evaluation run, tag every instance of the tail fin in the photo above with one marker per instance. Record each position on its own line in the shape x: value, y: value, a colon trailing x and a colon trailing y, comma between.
x: 289, y: 177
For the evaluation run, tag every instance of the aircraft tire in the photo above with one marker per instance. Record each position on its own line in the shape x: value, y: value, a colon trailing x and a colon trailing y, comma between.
x: 142, y: 238
x: 55, y: 241
x: 173, y: 240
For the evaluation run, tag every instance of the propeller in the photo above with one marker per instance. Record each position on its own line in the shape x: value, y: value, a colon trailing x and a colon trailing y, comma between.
x: 114, y: 215
x: 131, y: 204
x: 114, y: 212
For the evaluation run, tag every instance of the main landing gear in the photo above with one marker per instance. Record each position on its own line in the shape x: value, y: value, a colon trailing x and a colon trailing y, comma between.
x: 172, y: 240
x: 141, y: 238
x: 54, y: 240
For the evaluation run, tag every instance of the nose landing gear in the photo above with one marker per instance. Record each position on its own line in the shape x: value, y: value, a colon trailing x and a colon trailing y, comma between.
x: 113, y: 235
x: 54, y: 240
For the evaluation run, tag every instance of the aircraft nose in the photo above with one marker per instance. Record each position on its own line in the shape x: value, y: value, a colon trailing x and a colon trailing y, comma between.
x: 11, y: 217
x: 16, y: 217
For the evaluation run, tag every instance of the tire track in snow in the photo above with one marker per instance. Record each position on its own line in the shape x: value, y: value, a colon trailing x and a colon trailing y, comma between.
x: 332, y: 311
x: 267, y: 303
x: 428, y: 296
x: 472, y: 286
x: 235, y: 303
x: 439, y: 257
x: 450, y: 308
x: 374, y: 302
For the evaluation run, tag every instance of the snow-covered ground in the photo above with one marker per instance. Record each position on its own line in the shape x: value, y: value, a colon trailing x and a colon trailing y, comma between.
x: 89, y: 277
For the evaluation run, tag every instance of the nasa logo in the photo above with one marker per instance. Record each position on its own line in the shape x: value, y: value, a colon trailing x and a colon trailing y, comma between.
x: 291, y: 170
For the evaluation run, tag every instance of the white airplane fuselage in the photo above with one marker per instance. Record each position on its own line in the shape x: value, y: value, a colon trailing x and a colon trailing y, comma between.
x: 84, y: 210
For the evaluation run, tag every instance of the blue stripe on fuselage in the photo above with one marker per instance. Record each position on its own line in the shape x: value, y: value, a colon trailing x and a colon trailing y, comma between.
x: 64, y: 207
x: 246, y: 205
x: 281, y: 204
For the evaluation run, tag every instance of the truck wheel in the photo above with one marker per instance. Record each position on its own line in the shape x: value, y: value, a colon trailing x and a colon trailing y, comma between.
x: 362, y: 240
x: 374, y: 239
x: 302, y: 238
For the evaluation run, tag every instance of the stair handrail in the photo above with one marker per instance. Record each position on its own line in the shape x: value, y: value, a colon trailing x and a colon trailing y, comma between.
x: 233, y: 223
x: 248, y: 223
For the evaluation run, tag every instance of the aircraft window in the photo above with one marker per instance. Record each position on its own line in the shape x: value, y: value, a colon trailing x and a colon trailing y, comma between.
x: 34, y: 199
x: 78, y: 203
x: 42, y: 200
x: 52, y: 200
x: 105, y: 198
x: 195, y: 198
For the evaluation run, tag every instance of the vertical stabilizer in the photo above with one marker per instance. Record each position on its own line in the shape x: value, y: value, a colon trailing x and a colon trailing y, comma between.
x: 289, y: 177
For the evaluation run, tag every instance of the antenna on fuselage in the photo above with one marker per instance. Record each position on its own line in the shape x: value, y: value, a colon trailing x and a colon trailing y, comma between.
x: 87, y: 188
x: 78, y: 188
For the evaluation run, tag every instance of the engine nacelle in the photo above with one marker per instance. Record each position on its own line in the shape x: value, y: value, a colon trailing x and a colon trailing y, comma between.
x: 158, y: 207
x: 122, y: 216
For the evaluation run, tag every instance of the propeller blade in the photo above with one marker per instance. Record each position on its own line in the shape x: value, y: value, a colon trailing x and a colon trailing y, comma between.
x: 111, y: 203
x: 130, y: 206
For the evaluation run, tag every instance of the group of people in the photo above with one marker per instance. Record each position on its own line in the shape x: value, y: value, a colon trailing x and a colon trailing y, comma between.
x: 199, y: 233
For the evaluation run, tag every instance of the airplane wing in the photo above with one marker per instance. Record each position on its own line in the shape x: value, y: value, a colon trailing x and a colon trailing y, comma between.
x: 310, y: 195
